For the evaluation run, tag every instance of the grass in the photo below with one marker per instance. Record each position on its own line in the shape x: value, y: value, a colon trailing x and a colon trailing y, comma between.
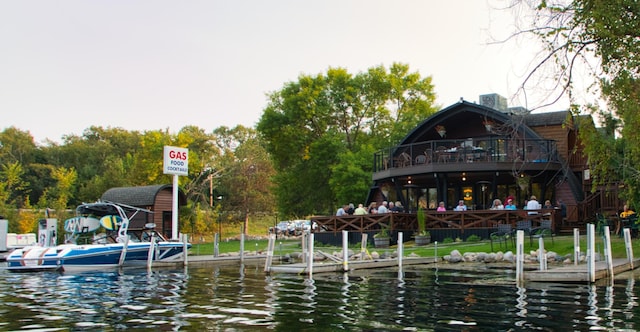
x: 563, y: 245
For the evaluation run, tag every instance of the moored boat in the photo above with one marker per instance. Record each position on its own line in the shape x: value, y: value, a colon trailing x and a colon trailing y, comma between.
x: 104, y: 227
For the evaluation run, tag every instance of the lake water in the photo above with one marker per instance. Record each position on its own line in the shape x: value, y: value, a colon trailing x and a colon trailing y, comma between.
x: 242, y: 298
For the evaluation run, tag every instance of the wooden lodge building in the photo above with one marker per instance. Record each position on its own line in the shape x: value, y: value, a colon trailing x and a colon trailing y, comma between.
x: 479, y: 152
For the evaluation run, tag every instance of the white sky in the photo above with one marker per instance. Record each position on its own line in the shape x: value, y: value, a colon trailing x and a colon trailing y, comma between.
x: 155, y: 64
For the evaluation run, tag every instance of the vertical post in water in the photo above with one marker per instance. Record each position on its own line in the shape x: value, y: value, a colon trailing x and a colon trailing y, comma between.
x: 607, y: 251
x: 576, y: 246
x: 400, y: 250
x: 363, y: 246
x: 303, y: 245
x: 542, y: 255
x: 345, y: 251
x: 185, y: 248
x: 310, y: 253
x: 242, y: 244
x: 151, y: 251
x: 519, y: 256
x: 436, y: 253
x: 216, y: 245
x: 591, y: 260
x: 123, y: 254
x: 270, y: 248
x: 628, y: 245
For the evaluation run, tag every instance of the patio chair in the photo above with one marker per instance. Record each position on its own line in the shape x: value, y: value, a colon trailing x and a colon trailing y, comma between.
x: 523, y: 225
x: 421, y: 159
x: 544, y: 230
x: 502, y: 235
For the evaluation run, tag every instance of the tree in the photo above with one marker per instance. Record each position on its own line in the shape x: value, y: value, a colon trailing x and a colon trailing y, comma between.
x: 601, y: 38
x: 312, y: 125
x: 247, y: 172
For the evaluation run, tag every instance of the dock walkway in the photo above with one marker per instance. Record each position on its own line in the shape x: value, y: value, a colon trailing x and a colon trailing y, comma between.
x: 579, y: 273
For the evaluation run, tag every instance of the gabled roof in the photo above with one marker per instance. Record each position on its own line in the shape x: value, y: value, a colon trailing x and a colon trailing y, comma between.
x: 461, y: 114
x: 139, y: 196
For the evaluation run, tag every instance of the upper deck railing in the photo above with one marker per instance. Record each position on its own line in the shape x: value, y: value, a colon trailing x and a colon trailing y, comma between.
x: 491, y: 149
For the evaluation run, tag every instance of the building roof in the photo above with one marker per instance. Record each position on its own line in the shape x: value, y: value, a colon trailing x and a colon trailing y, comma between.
x: 139, y: 196
x: 546, y: 118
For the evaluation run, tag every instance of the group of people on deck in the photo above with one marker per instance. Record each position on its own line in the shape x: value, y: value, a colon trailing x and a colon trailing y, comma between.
x: 531, y: 204
x: 385, y: 207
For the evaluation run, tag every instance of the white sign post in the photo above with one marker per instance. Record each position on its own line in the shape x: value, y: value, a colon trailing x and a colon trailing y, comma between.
x: 176, y: 162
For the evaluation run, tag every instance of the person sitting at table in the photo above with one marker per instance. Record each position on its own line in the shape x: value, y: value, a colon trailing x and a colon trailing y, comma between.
x: 510, y: 205
x: 460, y: 206
x: 626, y: 212
x: 533, y: 204
x: 441, y: 207
x: 497, y: 205
x: 547, y: 205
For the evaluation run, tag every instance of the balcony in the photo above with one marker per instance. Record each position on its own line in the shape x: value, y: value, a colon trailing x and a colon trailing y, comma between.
x: 465, y: 154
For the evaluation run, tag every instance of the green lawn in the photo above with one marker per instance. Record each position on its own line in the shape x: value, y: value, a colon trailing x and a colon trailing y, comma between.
x: 562, y: 245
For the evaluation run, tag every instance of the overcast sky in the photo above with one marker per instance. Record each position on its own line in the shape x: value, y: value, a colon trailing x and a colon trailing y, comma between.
x: 148, y: 65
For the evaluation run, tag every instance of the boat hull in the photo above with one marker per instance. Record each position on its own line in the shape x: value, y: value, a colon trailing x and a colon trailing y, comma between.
x: 93, y: 256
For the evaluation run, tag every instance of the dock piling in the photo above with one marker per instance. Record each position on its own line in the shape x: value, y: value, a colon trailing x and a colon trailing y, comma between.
x: 345, y: 251
x: 542, y: 256
x: 628, y: 245
x: 400, y: 249
x: 591, y: 260
x: 270, y: 248
x: 216, y: 245
x: 576, y: 246
x: 519, y: 256
x: 310, y: 254
x: 151, y: 251
x: 607, y: 251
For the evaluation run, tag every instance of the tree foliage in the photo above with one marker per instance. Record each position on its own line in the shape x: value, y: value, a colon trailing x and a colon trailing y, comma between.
x: 313, y: 125
x: 601, y: 38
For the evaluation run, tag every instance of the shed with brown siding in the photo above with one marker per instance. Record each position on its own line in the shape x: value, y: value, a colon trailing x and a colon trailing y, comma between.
x: 155, y: 198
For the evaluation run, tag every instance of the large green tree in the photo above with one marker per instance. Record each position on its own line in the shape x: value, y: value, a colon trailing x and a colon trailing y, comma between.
x: 598, y: 41
x: 313, y: 126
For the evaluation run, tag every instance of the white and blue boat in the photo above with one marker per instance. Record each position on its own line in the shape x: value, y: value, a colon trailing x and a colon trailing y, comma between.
x: 103, y: 227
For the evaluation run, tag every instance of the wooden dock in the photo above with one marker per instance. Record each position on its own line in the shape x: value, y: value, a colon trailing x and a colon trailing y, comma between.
x: 332, y: 267
x: 579, y: 273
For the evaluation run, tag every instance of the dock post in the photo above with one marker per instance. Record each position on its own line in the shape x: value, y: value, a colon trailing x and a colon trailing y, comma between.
x: 363, y: 246
x: 241, y: 244
x: 628, y: 246
x: 436, y: 253
x: 304, y: 240
x: 270, y: 248
x: 591, y: 260
x: 400, y: 250
x: 542, y: 256
x: 185, y: 249
x: 345, y: 251
x: 607, y: 251
x: 123, y: 254
x: 310, y: 254
x: 151, y: 251
x: 216, y: 245
x: 576, y: 246
x: 519, y: 256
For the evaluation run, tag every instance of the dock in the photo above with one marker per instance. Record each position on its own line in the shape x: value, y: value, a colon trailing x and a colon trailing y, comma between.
x: 332, y: 267
x: 579, y: 273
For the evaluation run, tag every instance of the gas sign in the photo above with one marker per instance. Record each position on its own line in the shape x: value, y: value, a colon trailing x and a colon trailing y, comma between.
x: 176, y: 160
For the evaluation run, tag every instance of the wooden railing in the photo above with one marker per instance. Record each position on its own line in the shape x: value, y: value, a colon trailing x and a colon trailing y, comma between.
x: 474, y: 219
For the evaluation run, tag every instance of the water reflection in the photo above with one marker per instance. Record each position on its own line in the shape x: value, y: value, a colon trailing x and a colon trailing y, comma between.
x: 243, y: 298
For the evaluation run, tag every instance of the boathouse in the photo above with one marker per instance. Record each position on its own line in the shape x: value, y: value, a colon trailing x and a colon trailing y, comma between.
x: 155, y: 198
